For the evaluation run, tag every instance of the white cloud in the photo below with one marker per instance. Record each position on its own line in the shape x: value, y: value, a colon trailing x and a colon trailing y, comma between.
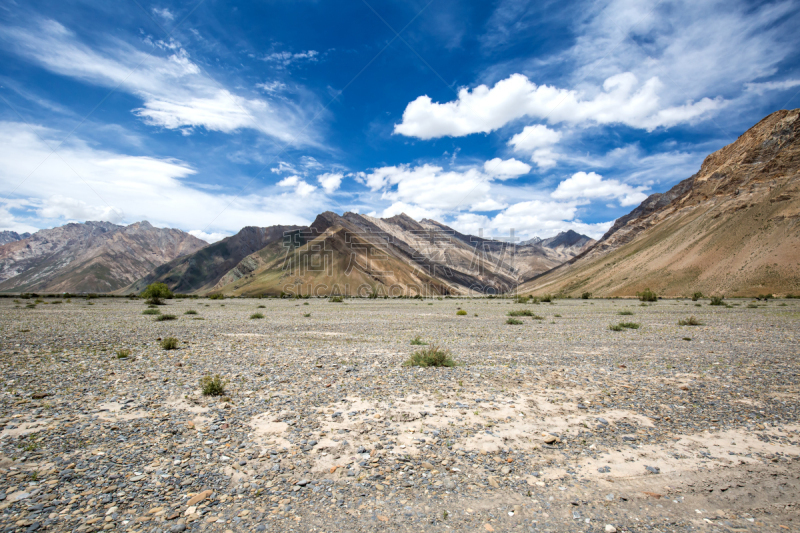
x: 283, y: 167
x: 490, y: 204
x: 272, y: 87
x: 537, y: 140
x: 164, y: 13
x: 763, y: 87
x: 285, y: 59
x: 582, y: 186
x: 176, y: 93
x: 208, y: 237
x: 141, y: 188
x: 301, y: 188
x: 330, y: 181
x: 505, y: 169
x: 414, y: 211
x: 623, y: 100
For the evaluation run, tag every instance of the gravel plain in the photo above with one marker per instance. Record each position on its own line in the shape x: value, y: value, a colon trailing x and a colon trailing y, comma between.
x: 555, y: 424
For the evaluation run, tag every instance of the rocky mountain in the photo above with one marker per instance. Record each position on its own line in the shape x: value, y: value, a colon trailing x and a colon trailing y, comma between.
x: 359, y: 254
x: 11, y: 236
x: 89, y: 257
x: 200, y: 271
x: 733, y: 228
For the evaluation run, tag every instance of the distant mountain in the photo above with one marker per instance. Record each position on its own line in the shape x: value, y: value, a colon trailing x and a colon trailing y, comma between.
x: 200, y: 271
x: 12, y: 236
x: 359, y: 254
x: 89, y: 257
x: 733, y: 228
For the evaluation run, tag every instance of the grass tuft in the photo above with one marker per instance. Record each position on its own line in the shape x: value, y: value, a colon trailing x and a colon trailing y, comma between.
x: 124, y: 353
x: 625, y: 313
x: 623, y: 325
x: 513, y: 321
x: 691, y: 321
x: 431, y: 356
x: 170, y: 343
x: 256, y: 315
x: 212, y: 385
x: 461, y: 312
x: 190, y: 312
x: 151, y: 312
x: 416, y: 341
x: 162, y: 318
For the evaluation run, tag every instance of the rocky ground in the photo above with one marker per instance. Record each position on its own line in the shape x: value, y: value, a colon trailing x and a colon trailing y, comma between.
x: 555, y: 424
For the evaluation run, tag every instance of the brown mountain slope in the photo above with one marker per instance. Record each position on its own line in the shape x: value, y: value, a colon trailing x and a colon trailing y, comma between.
x: 89, y: 257
x: 733, y: 228
x: 199, y: 272
x: 354, y: 253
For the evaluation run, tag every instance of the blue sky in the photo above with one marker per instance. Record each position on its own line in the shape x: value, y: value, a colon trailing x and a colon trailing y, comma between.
x: 534, y: 116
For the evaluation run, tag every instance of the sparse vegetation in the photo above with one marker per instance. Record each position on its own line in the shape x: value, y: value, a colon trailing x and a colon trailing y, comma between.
x: 647, y: 296
x: 625, y: 313
x: 522, y: 312
x: 513, y: 321
x: 548, y: 298
x: 336, y: 299
x: 586, y: 295
x: 416, y: 341
x: 213, y: 385
x: 717, y: 300
x: 691, y: 321
x: 124, y: 353
x: 461, y: 312
x: 306, y: 315
x: 156, y: 293
x: 216, y: 296
x: 162, y: 318
x: 431, y: 356
x: 169, y: 343
x: 623, y: 325
x: 190, y: 312
x: 696, y: 296
x: 255, y: 316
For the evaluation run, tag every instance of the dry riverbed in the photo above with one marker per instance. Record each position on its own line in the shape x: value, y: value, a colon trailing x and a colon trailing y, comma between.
x: 555, y: 424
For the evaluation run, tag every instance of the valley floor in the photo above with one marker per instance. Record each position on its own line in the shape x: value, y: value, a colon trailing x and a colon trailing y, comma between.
x: 554, y: 424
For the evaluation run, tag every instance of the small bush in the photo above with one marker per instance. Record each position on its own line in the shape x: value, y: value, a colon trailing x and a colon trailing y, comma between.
x: 461, y: 312
x: 625, y: 313
x: 521, y: 299
x: 256, y: 315
x: 696, y: 296
x: 548, y: 298
x: 306, y: 315
x: 190, y: 312
x: 261, y: 307
x: 416, y: 341
x: 123, y: 353
x: 336, y: 299
x: 614, y: 327
x: 647, y: 296
x: 523, y: 312
x: 586, y: 295
x: 216, y: 296
x: 691, y: 321
x: 151, y: 312
x: 513, y: 321
x: 212, y: 385
x: 170, y: 343
x: 162, y: 318
x: 717, y: 300
x: 431, y: 356
x: 629, y: 325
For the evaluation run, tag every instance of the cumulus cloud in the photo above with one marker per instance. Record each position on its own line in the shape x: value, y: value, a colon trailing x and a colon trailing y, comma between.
x: 208, y: 237
x: 57, y: 206
x: 583, y: 186
x: 505, y: 169
x: 623, y: 100
x: 301, y: 188
x: 175, y: 92
x: 538, y: 141
x: 330, y: 181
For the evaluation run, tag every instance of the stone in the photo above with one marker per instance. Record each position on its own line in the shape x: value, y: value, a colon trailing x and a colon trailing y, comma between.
x: 197, y: 498
x: 653, y: 469
x: 610, y: 529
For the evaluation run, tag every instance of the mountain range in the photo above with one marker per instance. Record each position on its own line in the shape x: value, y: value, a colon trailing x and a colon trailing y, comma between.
x: 732, y: 228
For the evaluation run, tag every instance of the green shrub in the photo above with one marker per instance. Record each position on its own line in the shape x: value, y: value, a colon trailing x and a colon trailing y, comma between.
x: 162, y: 318
x: 306, y: 315
x: 216, y: 296
x: 586, y: 295
x: 548, y: 298
x: 416, y: 341
x: 212, y: 385
x: 336, y: 299
x: 256, y: 315
x: 155, y: 292
x: 124, y: 353
x: 629, y: 325
x: 151, y: 312
x: 691, y: 321
x: 717, y: 300
x: 521, y: 299
x: 625, y: 313
x: 190, y: 312
x: 431, y: 356
x: 523, y: 312
x: 169, y: 343
x: 461, y: 312
x: 647, y: 296
x: 513, y: 321
x: 696, y: 296
x: 614, y: 327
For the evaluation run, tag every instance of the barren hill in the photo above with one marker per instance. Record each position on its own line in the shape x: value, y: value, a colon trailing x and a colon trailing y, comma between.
x: 89, y: 257
x: 733, y: 228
